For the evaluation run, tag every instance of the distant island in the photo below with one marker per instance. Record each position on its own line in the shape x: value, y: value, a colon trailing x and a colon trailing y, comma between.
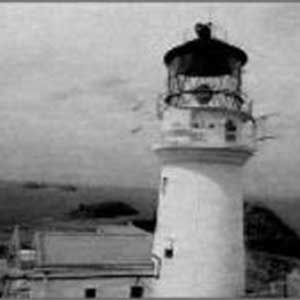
x: 103, y: 210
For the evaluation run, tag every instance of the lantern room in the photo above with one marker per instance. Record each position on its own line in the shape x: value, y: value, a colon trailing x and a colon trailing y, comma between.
x: 204, y: 104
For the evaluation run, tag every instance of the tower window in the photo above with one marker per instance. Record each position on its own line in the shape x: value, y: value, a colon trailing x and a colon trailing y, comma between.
x: 136, y: 291
x: 169, y: 250
x: 169, y: 253
x: 230, y: 131
x: 195, y: 125
x: 164, y: 185
x: 90, y: 293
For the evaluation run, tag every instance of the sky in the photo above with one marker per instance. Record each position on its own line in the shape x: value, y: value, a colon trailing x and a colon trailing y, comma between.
x: 79, y: 82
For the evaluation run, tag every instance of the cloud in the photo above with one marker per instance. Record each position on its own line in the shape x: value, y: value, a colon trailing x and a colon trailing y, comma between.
x: 106, y: 86
x: 66, y: 94
x: 94, y: 79
x: 113, y: 82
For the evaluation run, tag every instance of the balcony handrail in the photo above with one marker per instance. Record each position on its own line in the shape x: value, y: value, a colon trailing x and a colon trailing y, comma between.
x: 226, y: 92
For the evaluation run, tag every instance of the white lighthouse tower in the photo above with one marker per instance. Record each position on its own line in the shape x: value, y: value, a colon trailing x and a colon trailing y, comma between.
x: 207, y: 137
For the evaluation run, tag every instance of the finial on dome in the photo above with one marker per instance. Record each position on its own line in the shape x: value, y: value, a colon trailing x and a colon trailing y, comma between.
x: 203, y: 31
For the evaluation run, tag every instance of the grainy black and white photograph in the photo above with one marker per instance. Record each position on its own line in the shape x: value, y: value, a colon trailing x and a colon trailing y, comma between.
x: 149, y: 150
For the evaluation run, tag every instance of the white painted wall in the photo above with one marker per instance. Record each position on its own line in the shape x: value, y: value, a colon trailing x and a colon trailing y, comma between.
x: 202, y: 210
x: 75, y: 288
x: 176, y: 127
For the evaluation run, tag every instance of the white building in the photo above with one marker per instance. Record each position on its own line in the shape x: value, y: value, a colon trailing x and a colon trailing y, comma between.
x: 207, y: 136
x: 113, y: 261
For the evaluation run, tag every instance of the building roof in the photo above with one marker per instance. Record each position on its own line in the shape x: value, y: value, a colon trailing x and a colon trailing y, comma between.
x: 204, y: 56
x: 113, y: 229
x: 111, y: 245
x: 202, y: 47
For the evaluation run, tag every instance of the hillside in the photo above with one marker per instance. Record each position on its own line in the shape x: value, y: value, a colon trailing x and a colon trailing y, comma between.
x: 28, y: 203
x: 265, y: 231
x: 33, y: 203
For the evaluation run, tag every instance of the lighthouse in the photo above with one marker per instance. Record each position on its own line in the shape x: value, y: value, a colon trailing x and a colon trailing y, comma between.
x: 207, y: 136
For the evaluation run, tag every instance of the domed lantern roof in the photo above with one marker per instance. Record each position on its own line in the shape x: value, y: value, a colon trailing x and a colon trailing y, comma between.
x: 204, y: 56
